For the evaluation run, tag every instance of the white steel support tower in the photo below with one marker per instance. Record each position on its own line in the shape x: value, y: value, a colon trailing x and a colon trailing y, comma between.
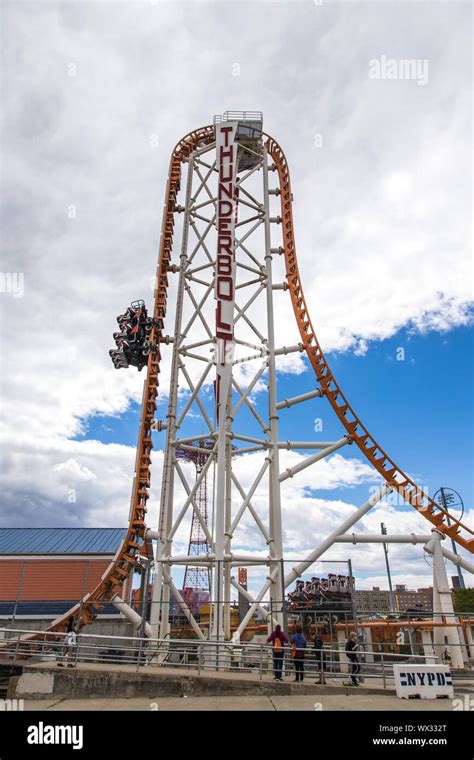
x: 223, y: 371
x: 224, y: 280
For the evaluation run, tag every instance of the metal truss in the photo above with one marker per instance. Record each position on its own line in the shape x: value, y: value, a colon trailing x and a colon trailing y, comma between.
x: 253, y: 341
x: 194, y: 334
x: 225, y: 394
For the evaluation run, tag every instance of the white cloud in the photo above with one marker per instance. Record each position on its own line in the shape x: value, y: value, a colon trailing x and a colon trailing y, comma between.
x: 382, y: 221
x: 369, y: 267
x: 39, y: 477
x: 74, y: 470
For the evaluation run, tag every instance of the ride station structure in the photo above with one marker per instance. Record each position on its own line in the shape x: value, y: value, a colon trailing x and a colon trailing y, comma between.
x: 228, y: 194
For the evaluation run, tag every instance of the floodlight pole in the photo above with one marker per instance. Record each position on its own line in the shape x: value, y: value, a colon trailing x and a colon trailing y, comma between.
x: 383, y: 530
x: 444, y: 504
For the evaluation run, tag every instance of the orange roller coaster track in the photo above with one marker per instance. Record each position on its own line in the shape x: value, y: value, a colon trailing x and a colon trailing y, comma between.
x: 123, y: 563
x: 392, y: 474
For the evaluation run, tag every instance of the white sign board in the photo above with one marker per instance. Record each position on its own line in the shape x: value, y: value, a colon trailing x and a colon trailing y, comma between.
x: 425, y: 681
x: 224, y: 290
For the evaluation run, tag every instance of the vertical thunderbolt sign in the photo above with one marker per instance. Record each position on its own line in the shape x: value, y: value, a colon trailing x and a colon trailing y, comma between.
x: 225, y: 261
x: 226, y: 161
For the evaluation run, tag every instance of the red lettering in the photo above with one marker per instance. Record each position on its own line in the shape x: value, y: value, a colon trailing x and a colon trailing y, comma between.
x: 225, y: 154
x: 223, y: 225
x: 230, y: 173
x: 224, y: 245
x: 226, y: 131
x: 225, y: 190
x: 224, y: 265
x: 224, y: 205
x: 225, y: 335
x: 219, y: 322
x: 225, y: 288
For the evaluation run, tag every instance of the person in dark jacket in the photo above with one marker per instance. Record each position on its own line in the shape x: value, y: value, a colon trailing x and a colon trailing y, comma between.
x: 278, y: 639
x: 351, y: 652
x: 298, y: 643
x: 318, y: 651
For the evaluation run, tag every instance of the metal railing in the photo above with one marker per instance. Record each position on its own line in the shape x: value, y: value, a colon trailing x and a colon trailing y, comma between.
x: 200, y: 656
x: 239, y: 116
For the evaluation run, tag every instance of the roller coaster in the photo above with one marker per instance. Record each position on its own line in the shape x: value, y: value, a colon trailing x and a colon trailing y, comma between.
x: 228, y: 208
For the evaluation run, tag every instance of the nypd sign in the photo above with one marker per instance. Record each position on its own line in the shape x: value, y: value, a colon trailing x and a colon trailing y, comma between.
x: 425, y: 681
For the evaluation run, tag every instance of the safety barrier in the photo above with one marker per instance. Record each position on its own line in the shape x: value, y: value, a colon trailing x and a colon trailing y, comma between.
x: 199, y: 657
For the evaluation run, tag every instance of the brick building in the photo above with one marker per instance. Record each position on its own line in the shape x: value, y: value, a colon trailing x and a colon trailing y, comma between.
x: 408, y: 599
x: 45, y: 571
x: 378, y: 600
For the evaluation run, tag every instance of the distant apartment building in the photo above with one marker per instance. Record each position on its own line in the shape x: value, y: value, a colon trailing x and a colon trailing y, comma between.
x: 372, y: 601
x: 408, y: 599
x: 378, y: 600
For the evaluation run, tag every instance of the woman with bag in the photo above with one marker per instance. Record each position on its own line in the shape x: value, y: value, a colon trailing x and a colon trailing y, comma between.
x: 298, y: 643
x: 278, y: 639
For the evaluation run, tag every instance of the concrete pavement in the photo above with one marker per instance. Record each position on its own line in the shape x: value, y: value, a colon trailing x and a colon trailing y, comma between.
x: 339, y: 702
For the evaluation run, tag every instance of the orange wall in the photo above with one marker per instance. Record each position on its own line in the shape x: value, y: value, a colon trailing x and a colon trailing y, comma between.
x: 49, y: 579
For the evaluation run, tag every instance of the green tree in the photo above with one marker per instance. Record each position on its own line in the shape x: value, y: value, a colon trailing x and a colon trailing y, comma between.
x: 464, y: 600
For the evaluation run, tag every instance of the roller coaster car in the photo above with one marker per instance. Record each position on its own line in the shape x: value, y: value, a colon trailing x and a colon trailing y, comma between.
x: 133, y: 344
x: 119, y: 359
x: 126, y: 357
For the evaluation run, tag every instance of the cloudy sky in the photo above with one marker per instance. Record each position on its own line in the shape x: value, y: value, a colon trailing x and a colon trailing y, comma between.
x: 95, y: 95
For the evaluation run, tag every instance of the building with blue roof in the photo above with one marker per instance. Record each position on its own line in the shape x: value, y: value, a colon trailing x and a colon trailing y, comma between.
x: 46, y: 571
x: 49, y: 541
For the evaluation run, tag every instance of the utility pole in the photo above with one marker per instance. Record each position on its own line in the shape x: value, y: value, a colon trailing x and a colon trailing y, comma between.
x: 385, y: 548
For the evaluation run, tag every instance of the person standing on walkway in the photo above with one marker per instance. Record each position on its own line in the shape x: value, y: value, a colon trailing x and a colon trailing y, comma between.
x: 298, y: 643
x: 278, y: 639
x: 351, y: 652
x: 70, y: 642
x: 319, y: 653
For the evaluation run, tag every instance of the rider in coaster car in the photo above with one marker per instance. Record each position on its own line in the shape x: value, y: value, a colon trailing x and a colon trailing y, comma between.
x: 133, y: 339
